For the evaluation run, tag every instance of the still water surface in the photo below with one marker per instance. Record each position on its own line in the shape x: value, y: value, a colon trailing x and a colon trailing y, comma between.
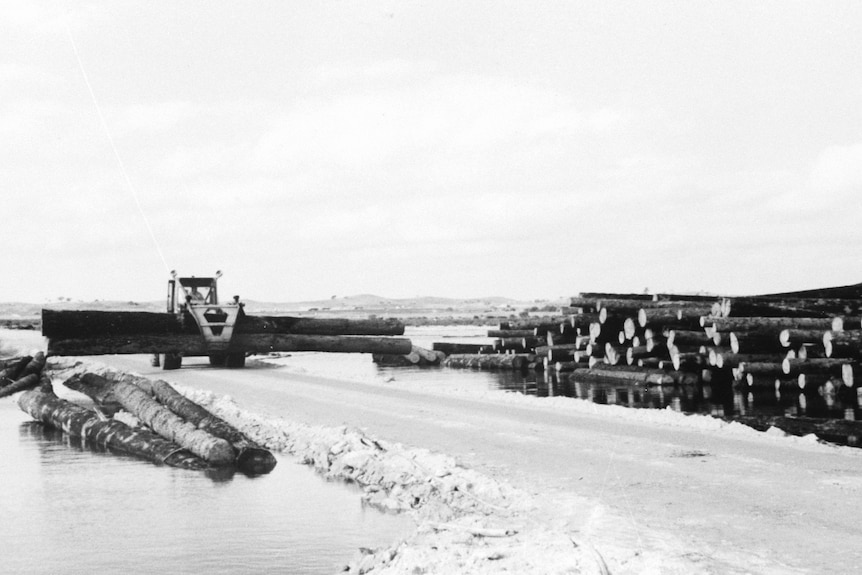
x: 65, y: 508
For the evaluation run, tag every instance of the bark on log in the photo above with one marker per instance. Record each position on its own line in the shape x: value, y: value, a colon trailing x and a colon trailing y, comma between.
x: 560, y: 352
x: 738, y: 324
x: 241, y: 343
x: 630, y: 375
x: 504, y: 333
x: 27, y: 377
x: 831, y: 366
x: 251, y: 457
x: 532, y: 322
x: 689, y: 337
x: 20, y: 384
x: 12, y: 369
x: 755, y: 342
x: 461, y: 348
x: 66, y: 324
x: 80, y: 422
x: 318, y: 326
x: 489, y: 361
x: 843, y: 344
x: 797, y: 337
x: 163, y: 421
x: 75, y: 324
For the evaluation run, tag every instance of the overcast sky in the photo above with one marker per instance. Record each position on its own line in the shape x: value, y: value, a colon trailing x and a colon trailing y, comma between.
x: 464, y: 149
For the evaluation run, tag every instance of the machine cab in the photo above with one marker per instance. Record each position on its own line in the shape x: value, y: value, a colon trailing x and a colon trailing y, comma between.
x: 192, y: 290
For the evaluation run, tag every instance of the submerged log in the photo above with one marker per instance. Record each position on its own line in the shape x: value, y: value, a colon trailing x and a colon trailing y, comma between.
x: 251, y: 457
x: 12, y: 369
x: 20, y: 384
x: 86, y: 424
x: 241, y: 343
x: 460, y: 348
x: 163, y: 421
x: 512, y: 361
x: 28, y: 376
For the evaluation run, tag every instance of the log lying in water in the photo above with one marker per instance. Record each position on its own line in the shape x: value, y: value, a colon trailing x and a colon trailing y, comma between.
x: 76, y: 324
x: 81, y: 422
x: 251, y: 457
x: 627, y: 374
x: 417, y: 356
x: 12, y: 368
x: 27, y: 377
x: 163, y: 421
x: 241, y: 343
x: 461, y: 348
x: 512, y: 361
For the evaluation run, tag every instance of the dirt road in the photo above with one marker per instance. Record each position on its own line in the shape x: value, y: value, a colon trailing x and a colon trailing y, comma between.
x: 717, y: 501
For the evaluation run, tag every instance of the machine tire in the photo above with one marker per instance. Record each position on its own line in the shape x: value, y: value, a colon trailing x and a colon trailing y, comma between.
x: 171, y: 361
x: 217, y: 359
x: 235, y: 360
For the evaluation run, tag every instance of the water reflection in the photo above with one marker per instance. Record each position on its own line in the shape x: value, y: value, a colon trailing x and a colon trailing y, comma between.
x: 80, y: 509
x: 721, y: 397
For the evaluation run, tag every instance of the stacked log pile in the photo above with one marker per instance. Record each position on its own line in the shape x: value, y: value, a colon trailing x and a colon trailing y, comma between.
x: 805, y: 342
x: 172, y: 430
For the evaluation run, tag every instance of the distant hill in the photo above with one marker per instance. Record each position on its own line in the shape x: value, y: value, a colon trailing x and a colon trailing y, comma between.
x: 358, y: 304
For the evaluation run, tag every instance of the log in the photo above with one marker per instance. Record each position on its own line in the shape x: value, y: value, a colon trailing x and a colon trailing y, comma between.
x: 512, y: 361
x: 755, y: 342
x: 737, y: 324
x: 689, y: 337
x: 560, y: 352
x: 596, y: 295
x: 318, y: 326
x: 241, y: 343
x: 580, y: 321
x: 12, y: 369
x: 20, y: 384
x: 461, y: 348
x: 831, y: 366
x: 533, y: 323
x: 164, y: 422
x: 504, y: 333
x: 28, y: 376
x: 843, y: 344
x: 251, y: 457
x: 635, y: 374
x: 797, y: 337
x: 84, y: 423
x: 77, y: 324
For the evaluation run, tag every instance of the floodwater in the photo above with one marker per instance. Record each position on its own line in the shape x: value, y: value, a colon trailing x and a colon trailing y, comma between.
x: 721, y: 399
x: 67, y: 508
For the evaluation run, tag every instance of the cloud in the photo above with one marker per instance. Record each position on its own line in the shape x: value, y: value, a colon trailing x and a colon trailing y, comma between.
x: 447, y: 114
x: 152, y: 118
x: 838, y: 169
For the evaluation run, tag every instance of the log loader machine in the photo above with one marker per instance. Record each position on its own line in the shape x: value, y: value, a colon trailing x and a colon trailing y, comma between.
x: 196, y: 299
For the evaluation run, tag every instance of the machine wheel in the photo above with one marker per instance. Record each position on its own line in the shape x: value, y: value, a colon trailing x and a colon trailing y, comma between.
x: 235, y: 360
x: 171, y: 360
x: 217, y: 359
